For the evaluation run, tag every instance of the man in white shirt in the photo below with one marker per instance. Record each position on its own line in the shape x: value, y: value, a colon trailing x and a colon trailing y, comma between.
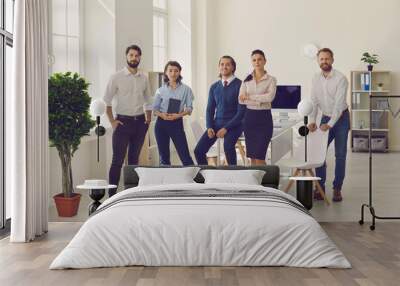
x: 131, y: 90
x: 328, y: 94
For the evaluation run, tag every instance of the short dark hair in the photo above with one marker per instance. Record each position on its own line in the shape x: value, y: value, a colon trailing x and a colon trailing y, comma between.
x: 258, y: 52
x: 232, y: 62
x: 133, y: 47
x: 325, y: 50
x: 173, y: 64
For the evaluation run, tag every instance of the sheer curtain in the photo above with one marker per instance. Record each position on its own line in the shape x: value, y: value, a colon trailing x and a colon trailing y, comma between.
x: 27, y: 123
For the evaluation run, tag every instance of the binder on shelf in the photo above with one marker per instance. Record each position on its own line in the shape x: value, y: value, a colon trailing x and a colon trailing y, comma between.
x: 356, y: 101
x: 362, y: 81
x: 367, y: 81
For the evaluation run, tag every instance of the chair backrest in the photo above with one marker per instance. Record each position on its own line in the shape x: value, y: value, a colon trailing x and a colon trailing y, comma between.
x: 317, y: 144
x: 197, y: 129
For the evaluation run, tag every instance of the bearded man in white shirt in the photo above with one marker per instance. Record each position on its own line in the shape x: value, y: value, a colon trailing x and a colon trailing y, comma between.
x: 130, y: 88
x: 328, y: 94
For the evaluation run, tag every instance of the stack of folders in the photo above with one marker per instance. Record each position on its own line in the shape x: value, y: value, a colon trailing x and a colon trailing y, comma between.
x: 365, y: 81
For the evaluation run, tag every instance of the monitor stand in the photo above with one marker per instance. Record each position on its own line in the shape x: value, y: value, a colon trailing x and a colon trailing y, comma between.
x: 283, y: 117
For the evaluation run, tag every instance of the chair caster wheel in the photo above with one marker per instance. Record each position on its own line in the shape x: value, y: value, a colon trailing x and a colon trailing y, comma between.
x: 372, y: 227
x: 361, y: 222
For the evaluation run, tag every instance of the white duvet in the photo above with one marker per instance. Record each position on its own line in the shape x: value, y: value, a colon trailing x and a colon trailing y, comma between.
x: 200, y: 231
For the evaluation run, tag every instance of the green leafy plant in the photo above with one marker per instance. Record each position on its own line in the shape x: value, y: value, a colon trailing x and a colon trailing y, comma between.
x: 369, y: 59
x: 69, y: 120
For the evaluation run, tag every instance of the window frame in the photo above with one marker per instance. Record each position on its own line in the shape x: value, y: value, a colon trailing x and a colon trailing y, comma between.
x: 163, y: 13
x: 66, y: 36
x: 6, y: 39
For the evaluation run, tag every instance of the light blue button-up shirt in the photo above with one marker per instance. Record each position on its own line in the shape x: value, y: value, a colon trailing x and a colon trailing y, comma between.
x: 182, y: 92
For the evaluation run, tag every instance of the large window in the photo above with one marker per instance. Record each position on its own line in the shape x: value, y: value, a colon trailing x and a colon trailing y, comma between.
x: 65, y: 35
x: 160, y: 22
x: 6, y: 65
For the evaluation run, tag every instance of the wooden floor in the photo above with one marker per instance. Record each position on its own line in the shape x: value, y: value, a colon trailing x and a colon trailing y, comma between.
x: 375, y: 257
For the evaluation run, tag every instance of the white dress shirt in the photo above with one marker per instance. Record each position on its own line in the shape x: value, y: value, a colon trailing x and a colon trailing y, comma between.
x: 229, y: 80
x: 329, y: 95
x: 261, y: 94
x: 131, y: 92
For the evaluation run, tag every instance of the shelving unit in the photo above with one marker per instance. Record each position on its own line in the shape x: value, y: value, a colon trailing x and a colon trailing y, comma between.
x: 360, y: 112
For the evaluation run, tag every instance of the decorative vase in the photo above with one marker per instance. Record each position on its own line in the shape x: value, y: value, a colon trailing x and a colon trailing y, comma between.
x: 67, y: 207
x: 370, y: 67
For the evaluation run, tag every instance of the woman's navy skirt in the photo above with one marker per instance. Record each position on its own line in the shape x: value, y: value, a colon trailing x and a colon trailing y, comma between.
x: 258, y: 128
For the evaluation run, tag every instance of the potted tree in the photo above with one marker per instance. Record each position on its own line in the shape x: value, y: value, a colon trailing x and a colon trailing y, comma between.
x: 370, y: 60
x: 69, y: 121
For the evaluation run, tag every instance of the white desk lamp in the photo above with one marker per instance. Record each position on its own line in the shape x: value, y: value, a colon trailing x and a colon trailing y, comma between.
x: 305, y: 108
x: 97, y: 109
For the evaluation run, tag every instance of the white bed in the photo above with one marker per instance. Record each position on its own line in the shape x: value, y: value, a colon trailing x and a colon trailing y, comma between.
x: 264, y: 229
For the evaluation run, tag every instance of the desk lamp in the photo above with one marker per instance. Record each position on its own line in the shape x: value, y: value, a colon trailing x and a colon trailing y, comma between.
x: 305, y: 108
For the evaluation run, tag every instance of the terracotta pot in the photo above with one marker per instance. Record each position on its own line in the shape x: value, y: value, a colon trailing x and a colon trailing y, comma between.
x: 67, y: 207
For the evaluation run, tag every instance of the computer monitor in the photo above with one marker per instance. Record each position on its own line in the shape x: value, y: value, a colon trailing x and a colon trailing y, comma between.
x: 286, y: 100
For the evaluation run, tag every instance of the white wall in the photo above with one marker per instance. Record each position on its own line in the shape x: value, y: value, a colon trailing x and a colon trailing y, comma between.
x: 205, y: 67
x: 179, y: 36
x: 134, y: 25
x: 99, y: 46
x: 84, y: 164
x: 282, y: 27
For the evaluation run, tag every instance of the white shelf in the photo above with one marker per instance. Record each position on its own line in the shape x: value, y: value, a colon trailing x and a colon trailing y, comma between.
x: 360, y: 71
x: 360, y: 100
x: 373, y: 110
x: 372, y: 91
x: 367, y: 129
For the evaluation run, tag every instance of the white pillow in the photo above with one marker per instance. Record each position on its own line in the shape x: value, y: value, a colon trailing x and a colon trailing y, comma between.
x: 166, y: 176
x: 249, y: 177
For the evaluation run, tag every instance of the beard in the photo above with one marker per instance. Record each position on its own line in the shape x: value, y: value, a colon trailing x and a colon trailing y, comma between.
x: 325, y: 67
x: 226, y: 73
x: 133, y: 64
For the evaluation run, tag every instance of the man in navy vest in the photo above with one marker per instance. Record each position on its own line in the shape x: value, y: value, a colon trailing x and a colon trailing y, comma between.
x: 224, y: 114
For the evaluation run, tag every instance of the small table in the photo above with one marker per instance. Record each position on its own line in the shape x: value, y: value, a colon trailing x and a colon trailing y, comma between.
x: 96, y: 193
x: 304, y: 190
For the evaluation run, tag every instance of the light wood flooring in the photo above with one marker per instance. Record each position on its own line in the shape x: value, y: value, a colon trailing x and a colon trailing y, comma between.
x: 375, y: 257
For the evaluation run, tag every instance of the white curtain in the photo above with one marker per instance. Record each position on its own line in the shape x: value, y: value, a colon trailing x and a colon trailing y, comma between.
x: 27, y: 123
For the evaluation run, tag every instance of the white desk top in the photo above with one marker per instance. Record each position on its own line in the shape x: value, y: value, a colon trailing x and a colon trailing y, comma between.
x: 87, y: 187
x: 305, y: 178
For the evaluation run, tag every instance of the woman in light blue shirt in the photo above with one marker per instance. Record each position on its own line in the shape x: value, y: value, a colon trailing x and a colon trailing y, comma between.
x: 173, y: 101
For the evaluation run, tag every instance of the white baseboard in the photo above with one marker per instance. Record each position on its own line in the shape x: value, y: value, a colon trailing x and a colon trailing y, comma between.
x: 394, y: 148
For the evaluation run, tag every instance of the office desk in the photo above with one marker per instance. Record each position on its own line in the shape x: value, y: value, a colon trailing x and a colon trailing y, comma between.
x: 281, y: 141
